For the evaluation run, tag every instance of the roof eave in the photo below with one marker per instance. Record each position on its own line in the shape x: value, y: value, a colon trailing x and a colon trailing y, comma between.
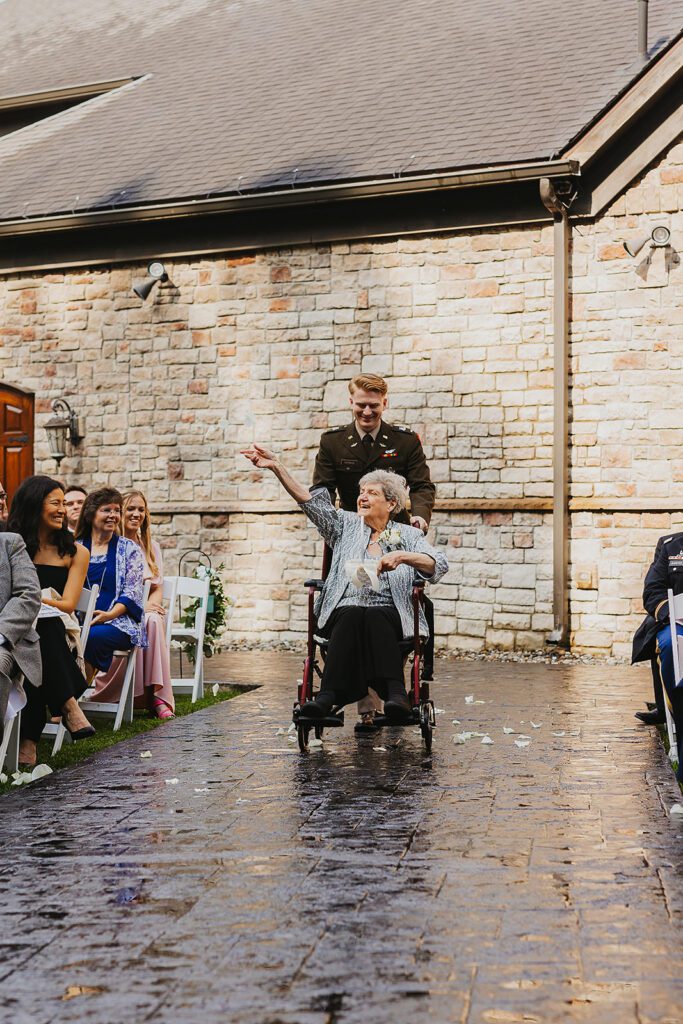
x: 287, y: 197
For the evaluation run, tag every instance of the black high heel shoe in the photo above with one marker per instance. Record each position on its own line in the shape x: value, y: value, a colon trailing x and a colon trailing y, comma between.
x: 79, y: 734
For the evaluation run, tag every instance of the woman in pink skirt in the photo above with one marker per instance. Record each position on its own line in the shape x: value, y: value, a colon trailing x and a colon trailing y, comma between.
x: 153, y: 670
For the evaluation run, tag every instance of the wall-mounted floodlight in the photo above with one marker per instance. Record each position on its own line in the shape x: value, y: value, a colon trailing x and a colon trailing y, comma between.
x: 658, y: 237
x: 156, y: 272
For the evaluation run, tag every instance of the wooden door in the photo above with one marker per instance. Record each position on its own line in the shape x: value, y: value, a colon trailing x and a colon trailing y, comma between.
x: 16, y: 437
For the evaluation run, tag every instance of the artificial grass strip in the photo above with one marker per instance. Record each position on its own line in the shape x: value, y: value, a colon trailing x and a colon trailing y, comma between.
x: 74, y: 753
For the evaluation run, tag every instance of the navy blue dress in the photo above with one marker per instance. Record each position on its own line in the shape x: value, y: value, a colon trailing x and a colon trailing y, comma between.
x: 104, y: 638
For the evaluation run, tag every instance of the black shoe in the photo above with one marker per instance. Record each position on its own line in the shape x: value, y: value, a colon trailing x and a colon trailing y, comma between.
x: 656, y: 717
x: 320, y: 707
x: 79, y: 734
x: 397, y: 709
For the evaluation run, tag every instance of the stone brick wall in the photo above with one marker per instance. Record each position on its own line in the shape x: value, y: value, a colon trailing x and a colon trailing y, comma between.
x: 262, y: 346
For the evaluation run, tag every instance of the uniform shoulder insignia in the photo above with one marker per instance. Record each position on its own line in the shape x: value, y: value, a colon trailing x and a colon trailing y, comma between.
x: 333, y: 430
x: 404, y: 430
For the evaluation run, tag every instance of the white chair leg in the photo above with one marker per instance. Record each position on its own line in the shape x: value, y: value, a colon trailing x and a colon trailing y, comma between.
x: 124, y: 711
x: 198, y: 684
x: 9, y: 749
x: 59, y: 739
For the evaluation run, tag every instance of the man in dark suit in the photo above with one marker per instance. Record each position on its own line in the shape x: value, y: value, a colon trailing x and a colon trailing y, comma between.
x: 644, y: 642
x: 367, y: 443
x: 653, y: 638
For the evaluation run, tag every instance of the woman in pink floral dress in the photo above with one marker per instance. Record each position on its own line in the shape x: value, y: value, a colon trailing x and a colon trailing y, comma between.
x: 153, y: 670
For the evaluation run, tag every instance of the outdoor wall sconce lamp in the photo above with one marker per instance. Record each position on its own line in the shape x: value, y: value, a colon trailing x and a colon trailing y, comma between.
x: 62, y: 429
x: 156, y: 272
x: 658, y: 238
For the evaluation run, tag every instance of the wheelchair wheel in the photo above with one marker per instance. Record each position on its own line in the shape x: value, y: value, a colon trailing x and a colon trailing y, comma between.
x: 426, y: 726
x: 302, y: 732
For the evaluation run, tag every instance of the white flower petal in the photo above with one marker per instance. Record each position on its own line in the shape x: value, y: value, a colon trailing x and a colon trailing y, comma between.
x: 508, y: 731
x: 40, y: 771
x: 292, y: 728
x: 171, y: 782
x: 380, y: 748
x: 242, y: 800
x: 676, y: 809
x: 145, y: 753
x: 315, y: 742
x: 439, y: 711
x: 534, y: 725
x: 280, y: 732
x: 522, y: 743
x: 3, y: 778
x: 480, y: 702
x: 214, y: 689
x: 455, y: 721
x: 201, y: 789
x: 292, y: 739
x: 487, y: 740
x: 470, y: 699
x: 522, y: 736
x: 262, y: 706
x: 458, y: 738
x: 558, y: 734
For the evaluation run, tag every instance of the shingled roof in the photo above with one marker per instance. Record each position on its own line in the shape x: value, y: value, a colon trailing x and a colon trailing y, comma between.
x: 251, y: 94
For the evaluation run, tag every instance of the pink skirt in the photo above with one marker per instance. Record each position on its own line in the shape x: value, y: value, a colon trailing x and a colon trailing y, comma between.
x: 152, y: 668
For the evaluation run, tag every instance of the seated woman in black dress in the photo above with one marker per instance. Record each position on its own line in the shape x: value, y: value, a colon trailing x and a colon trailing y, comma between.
x: 38, y: 513
x: 364, y: 624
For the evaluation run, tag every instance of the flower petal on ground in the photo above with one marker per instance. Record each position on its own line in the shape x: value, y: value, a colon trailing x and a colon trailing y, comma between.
x: 487, y: 740
x: 201, y: 789
x: 280, y: 732
x: 469, y: 699
x: 559, y: 734
x: 522, y: 743
x: 507, y: 730
x: 214, y: 689
x: 171, y: 782
x: 380, y: 748
x: 315, y: 742
x: 3, y: 778
x: 145, y: 753
x: 676, y: 809
x: 534, y: 725
x: 292, y: 728
x: 40, y: 771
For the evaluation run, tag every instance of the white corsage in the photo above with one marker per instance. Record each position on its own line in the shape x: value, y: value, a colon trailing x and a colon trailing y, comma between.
x: 390, y: 537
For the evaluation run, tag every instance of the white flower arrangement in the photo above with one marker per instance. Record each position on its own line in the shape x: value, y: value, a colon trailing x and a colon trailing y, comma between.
x: 391, y: 537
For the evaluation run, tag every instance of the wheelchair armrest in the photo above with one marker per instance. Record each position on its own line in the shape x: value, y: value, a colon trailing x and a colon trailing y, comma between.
x: 419, y: 582
x: 318, y: 584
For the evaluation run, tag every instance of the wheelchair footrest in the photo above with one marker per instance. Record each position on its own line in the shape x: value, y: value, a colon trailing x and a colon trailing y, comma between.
x: 331, y: 721
x: 381, y: 720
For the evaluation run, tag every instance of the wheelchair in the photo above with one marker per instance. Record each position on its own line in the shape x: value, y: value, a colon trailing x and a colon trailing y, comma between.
x: 422, y: 707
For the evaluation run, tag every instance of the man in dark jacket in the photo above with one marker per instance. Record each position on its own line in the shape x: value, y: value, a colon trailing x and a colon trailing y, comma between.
x: 644, y: 642
x: 654, y: 635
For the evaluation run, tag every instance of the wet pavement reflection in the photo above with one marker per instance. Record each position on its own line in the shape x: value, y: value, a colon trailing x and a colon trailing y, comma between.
x: 230, y: 878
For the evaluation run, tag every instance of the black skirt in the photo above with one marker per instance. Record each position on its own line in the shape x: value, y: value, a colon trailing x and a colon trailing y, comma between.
x: 363, y: 651
x: 62, y: 678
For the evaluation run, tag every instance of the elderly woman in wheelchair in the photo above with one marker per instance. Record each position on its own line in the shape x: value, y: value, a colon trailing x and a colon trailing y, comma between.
x: 365, y: 610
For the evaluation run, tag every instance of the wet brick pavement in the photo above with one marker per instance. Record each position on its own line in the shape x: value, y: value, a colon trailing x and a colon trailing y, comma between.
x: 489, y: 884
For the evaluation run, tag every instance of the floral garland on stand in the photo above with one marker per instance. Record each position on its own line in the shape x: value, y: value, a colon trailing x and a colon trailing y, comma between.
x: 219, y: 610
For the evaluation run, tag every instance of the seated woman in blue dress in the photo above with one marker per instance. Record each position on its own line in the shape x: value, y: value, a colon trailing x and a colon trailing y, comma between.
x: 117, y: 567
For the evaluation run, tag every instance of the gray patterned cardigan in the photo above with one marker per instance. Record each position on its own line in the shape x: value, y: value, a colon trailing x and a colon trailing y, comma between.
x: 348, y: 536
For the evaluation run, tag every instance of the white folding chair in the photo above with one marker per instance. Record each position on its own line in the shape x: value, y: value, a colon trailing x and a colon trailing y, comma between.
x: 675, y: 615
x: 85, y: 604
x: 9, y: 748
x: 188, y: 586
x: 122, y: 709
x: 168, y: 594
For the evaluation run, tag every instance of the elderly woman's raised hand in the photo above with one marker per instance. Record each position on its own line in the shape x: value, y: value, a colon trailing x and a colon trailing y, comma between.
x: 390, y: 561
x: 260, y: 457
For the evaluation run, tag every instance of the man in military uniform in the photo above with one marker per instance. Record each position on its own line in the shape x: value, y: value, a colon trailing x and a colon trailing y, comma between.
x: 665, y: 573
x: 367, y: 443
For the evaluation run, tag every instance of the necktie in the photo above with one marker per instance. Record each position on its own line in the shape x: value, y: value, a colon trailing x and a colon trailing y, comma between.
x: 368, y: 441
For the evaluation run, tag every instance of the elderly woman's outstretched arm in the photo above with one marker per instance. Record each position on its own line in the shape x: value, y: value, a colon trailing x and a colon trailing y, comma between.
x: 317, y: 507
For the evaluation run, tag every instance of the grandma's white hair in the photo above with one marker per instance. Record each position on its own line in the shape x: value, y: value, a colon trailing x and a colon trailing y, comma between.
x: 394, y: 487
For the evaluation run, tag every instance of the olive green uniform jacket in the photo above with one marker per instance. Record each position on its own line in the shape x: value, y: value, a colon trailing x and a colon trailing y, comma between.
x: 343, y: 459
